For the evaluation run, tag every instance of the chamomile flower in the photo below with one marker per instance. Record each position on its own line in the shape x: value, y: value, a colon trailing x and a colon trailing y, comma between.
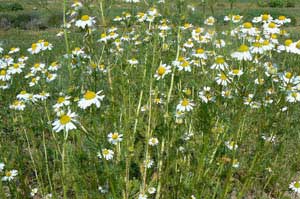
x: 200, y: 53
x: 62, y: 101
x: 206, y: 95
x: 265, y: 18
x: 185, y: 105
x: 243, y: 53
x: 151, y: 190
x: 17, y: 105
x: 236, y: 72
x: 4, y: 75
x: 210, y: 21
x: 153, y: 141
x: 106, y: 153
x: 35, y: 49
x: 282, y: 20
x: 133, y: 61
x: 287, y: 46
x: 295, y: 186
x: 219, y: 64
x: 231, y: 145
x: 223, y: 79
x: 248, y: 29
x: 161, y: 71
x: 85, y: 21
x: 16, y: 68
x: 90, y: 98
x: 183, y: 64
x: 115, y: 138
x: 142, y: 196
x: 65, y: 122
x: 13, y: 50
x: 2, y: 165
x: 10, y: 175
x: 257, y: 48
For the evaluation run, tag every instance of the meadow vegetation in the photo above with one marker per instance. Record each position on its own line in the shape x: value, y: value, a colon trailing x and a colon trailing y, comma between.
x: 149, y: 99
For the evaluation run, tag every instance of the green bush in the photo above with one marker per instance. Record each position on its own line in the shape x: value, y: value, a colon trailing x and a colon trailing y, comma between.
x: 291, y: 3
x: 277, y: 3
x: 7, y: 7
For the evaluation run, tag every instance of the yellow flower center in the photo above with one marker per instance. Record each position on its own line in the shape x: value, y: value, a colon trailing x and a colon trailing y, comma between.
x: 220, y: 60
x: 243, y: 48
x: 37, y: 65
x: 3, y: 72
x: 297, y: 185
x: 223, y: 76
x: 185, y: 64
x: 294, y: 94
x: 266, y: 42
x: 61, y: 100
x: 185, y: 102
x: 33, y: 46
x: 85, y: 18
x: 274, y: 36
x: 298, y: 45
x: 288, y: 75
x: 65, y: 119
x: 288, y: 42
x: 161, y: 70
x: 103, y: 35
x: 89, y: 95
x: 281, y: 18
x: 265, y: 17
x: 105, y: 152
x: 272, y: 25
x: 46, y: 43
x: 8, y: 173
x: 247, y: 25
x: 236, y: 17
x: 257, y: 44
x: 198, y: 30
x: 16, y: 65
x: 235, y: 71
x: 200, y: 51
x: 23, y: 92
x: 115, y: 136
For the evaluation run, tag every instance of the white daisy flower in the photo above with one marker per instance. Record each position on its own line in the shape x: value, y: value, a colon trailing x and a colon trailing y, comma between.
x: 115, y: 138
x: 185, y: 105
x: 243, y: 53
x: 90, y: 98
x: 2, y: 165
x: 107, y: 154
x: 222, y: 79
x: 85, y: 21
x: 65, y: 122
x: 153, y: 141
x: 219, y: 64
x: 35, y: 49
x: 10, y: 175
x: 231, y: 145
x: 161, y: 71
x: 206, y: 95
x: 17, y: 105
x: 295, y: 186
x: 13, y: 50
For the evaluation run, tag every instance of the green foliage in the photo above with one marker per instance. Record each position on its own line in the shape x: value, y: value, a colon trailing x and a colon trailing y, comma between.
x: 277, y: 3
x: 6, y: 7
x: 291, y: 3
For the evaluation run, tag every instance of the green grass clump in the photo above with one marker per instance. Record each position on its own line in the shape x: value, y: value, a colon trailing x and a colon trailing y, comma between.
x: 150, y: 100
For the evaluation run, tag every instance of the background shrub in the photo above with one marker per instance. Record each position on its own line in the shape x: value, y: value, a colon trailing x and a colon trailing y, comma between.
x: 10, y: 7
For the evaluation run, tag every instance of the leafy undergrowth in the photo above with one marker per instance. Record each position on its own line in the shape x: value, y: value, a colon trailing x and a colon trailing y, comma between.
x: 151, y: 106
